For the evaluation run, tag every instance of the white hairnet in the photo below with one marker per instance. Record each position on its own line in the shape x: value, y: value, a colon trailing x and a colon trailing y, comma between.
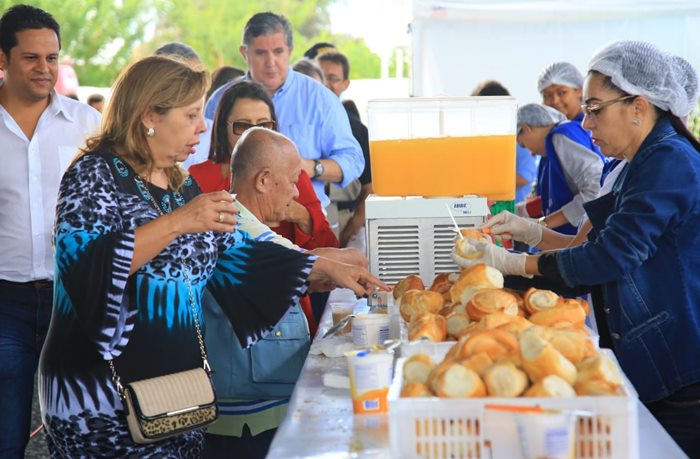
x: 641, y: 69
x: 559, y: 73
x: 539, y: 115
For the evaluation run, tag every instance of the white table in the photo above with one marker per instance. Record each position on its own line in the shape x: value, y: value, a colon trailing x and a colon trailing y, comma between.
x: 320, y: 422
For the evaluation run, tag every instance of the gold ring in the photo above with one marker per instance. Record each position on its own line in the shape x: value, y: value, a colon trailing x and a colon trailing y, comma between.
x: 221, y: 217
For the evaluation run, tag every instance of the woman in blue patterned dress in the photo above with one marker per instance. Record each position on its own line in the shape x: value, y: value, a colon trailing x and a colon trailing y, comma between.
x: 135, y: 240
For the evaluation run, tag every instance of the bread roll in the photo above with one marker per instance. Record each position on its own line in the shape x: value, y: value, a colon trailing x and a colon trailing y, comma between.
x: 551, y: 386
x: 579, y: 301
x: 463, y: 293
x: 565, y: 316
x: 442, y: 285
x: 479, y: 363
x: 491, y: 300
x: 540, y: 359
x: 505, y: 380
x: 495, y: 320
x: 537, y: 300
x: 599, y: 373
x: 571, y: 343
x: 481, y: 274
x: 417, y: 368
x: 473, y: 233
x: 410, y: 282
x: 457, y: 322
x: 494, y: 342
x: 425, y: 325
x: 516, y: 327
x: 464, y: 248
x: 596, y: 388
x: 415, y: 301
x: 454, y: 380
x: 415, y: 390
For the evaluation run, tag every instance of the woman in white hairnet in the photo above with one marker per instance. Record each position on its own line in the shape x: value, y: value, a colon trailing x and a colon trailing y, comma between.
x: 560, y: 85
x: 644, y: 243
x: 569, y: 171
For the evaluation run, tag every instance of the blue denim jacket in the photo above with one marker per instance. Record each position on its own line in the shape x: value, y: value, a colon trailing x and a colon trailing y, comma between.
x: 644, y: 249
x: 267, y: 370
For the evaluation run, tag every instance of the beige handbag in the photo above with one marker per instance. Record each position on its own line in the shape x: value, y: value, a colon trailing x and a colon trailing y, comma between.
x: 169, y: 405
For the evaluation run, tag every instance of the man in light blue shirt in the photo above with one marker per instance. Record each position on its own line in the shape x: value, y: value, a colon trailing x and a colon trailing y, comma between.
x: 307, y: 112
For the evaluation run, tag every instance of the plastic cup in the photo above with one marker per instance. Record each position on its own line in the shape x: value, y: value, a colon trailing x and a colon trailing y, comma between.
x: 370, y: 377
x: 370, y: 329
x: 549, y: 434
x: 340, y: 310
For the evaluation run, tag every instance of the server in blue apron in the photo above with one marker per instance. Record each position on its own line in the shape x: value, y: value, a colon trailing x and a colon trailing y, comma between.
x: 570, y: 168
x: 560, y: 85
x: 645, y: 239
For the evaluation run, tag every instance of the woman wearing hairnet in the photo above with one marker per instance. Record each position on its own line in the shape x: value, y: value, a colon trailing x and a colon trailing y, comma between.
x: 570, y: 168
x: 645, y: 238
x: 560, y: 85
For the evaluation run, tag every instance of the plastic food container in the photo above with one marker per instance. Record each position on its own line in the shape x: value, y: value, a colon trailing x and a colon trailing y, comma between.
x: 370, y: 329
x: 434, y: 427
x: 443, y: 146
x: 340, y: 310
x: 370, y: 377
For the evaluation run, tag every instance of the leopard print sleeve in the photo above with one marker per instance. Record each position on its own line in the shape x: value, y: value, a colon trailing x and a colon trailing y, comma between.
x: 94, y: 247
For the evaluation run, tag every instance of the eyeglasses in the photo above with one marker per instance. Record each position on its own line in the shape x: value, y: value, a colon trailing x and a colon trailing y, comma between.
x: 239, y: 127
x: 592, y: 110
x: 332, y: 79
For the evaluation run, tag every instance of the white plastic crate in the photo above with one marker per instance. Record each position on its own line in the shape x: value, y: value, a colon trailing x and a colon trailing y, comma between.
x: 434, y: 427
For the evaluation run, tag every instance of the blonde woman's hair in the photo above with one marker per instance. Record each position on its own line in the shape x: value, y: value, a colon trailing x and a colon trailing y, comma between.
x: 158, y: 83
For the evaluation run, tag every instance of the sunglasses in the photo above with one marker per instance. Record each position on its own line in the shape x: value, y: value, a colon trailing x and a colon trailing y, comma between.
x: 239, y: 127
x: 592, y: 110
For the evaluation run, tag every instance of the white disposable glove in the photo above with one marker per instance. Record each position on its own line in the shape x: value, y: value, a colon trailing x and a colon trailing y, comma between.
x: 521, y: 210
x: 497, y: 257
x: 506, y: 226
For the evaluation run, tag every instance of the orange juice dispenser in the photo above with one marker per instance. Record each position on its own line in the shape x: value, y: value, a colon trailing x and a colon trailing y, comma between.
x: 427, y: 155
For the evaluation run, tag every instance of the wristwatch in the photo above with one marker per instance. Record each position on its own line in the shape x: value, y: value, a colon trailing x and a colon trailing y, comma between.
x: 542, y: 222
x: 318, y: 168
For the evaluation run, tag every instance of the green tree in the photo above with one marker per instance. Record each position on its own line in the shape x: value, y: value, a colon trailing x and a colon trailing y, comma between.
x: 98, y: 35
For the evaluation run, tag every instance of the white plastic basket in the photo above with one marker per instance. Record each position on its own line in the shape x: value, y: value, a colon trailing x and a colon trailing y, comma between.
x: 462, y: 428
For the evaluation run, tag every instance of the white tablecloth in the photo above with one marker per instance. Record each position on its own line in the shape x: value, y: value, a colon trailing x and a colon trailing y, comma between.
x: 320, y: 422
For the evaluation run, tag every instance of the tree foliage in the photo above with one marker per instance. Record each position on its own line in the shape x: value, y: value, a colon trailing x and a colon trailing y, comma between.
x: 102, y: 36
x: 99, y: 35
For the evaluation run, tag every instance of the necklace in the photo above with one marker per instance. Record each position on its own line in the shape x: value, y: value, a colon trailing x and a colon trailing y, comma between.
x: 147, y: 192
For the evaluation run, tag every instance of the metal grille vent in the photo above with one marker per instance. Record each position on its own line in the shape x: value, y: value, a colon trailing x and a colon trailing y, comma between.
x: 443, y: 241
x: 398, y: 250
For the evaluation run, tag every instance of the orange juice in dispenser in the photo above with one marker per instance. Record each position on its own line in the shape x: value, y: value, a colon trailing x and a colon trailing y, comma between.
x: 448, y: 146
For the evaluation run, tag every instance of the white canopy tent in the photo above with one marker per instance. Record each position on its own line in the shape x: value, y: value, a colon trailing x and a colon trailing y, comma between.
x: 457, y: 44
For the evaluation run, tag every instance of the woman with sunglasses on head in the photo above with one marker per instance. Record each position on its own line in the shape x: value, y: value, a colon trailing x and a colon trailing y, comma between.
x: 244, y: 105
x: 644, y: 243
x: 569, y: 171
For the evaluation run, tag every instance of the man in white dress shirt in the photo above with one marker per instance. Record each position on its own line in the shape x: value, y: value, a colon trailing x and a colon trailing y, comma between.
x: 40, y: 132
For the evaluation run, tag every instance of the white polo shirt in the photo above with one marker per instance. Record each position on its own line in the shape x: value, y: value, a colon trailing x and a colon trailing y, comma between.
x: 30, y: 173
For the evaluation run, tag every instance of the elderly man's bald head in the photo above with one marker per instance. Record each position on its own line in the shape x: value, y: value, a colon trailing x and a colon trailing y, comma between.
x: 257, y: 149
x: 265, y: 170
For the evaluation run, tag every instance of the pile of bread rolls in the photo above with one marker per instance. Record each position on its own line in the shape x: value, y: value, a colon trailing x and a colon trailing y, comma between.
x: 459, y: 303
x: 509, y: 344
x: 497, y: 363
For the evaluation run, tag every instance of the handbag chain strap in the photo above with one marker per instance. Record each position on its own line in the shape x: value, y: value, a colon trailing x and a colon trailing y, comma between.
x: 202, y: 350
